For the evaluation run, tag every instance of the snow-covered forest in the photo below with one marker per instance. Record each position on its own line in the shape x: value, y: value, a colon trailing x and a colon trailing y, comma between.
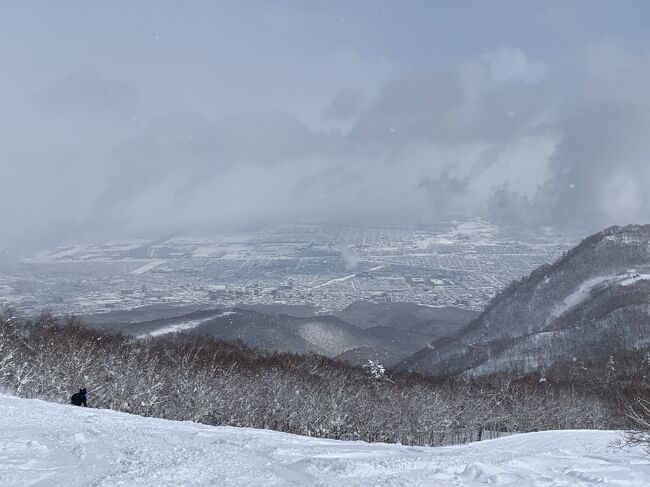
x: 220, y: 383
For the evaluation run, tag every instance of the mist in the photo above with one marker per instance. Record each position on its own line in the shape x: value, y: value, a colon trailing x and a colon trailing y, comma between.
x: 147, y: 119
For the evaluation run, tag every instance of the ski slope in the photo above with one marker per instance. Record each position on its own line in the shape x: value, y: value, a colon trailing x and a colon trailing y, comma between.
x: 44, y: 444
x: 583, y: 292
x: 184, y: 325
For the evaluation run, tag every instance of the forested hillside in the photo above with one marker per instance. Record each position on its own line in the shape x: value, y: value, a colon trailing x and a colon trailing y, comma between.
x: 594, y: 301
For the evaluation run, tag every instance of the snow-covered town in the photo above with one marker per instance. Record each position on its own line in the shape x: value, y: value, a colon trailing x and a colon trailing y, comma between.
x: 456, y: 263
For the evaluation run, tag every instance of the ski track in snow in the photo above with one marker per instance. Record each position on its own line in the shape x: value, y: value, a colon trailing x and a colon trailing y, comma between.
x: 45, y: 444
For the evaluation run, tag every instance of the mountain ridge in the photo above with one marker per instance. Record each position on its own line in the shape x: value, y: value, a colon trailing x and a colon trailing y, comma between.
x: 329, y: 335
x: 592, y: 300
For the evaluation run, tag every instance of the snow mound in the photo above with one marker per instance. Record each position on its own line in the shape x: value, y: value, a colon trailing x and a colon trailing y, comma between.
x: 45, y: 444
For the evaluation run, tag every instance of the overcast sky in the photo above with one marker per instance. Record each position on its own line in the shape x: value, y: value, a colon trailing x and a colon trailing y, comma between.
x: 123, y: 118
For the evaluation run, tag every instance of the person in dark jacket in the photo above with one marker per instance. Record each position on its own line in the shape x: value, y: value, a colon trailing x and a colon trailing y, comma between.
x: 79, y: 398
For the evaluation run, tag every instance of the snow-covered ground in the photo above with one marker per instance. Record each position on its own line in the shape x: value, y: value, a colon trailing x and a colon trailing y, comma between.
x: 44, y: 444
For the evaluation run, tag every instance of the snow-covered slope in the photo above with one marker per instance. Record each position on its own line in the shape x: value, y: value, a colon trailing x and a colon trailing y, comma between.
x: 44, y: 444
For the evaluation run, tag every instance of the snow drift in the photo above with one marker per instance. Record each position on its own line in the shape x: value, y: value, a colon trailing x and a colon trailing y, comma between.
x: 45, y: 444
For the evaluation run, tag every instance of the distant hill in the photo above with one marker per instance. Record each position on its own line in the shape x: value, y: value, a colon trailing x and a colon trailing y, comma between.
x: 297, y: 310
x: 407, y: 316
x: 593, y: 301
x: 378, y: 332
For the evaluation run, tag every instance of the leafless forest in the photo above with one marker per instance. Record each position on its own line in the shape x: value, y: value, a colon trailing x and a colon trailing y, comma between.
x: 222, y: 383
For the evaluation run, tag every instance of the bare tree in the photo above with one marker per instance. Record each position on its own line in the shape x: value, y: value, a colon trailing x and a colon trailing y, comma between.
x: 640, y: 415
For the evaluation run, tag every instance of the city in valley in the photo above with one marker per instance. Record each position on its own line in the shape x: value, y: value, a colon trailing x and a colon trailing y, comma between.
x: 456, y: 263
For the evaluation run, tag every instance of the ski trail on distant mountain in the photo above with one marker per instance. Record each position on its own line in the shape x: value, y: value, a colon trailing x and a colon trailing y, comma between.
x: 184, y: 325
x: 586, y: 288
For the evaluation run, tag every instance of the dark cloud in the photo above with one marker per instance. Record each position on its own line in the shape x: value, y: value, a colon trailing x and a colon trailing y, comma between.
x: 508, y: 206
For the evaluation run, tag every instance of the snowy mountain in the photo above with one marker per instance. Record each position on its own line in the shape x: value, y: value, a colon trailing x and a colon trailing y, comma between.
x: 46, y: 444
x: 592, y: 302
